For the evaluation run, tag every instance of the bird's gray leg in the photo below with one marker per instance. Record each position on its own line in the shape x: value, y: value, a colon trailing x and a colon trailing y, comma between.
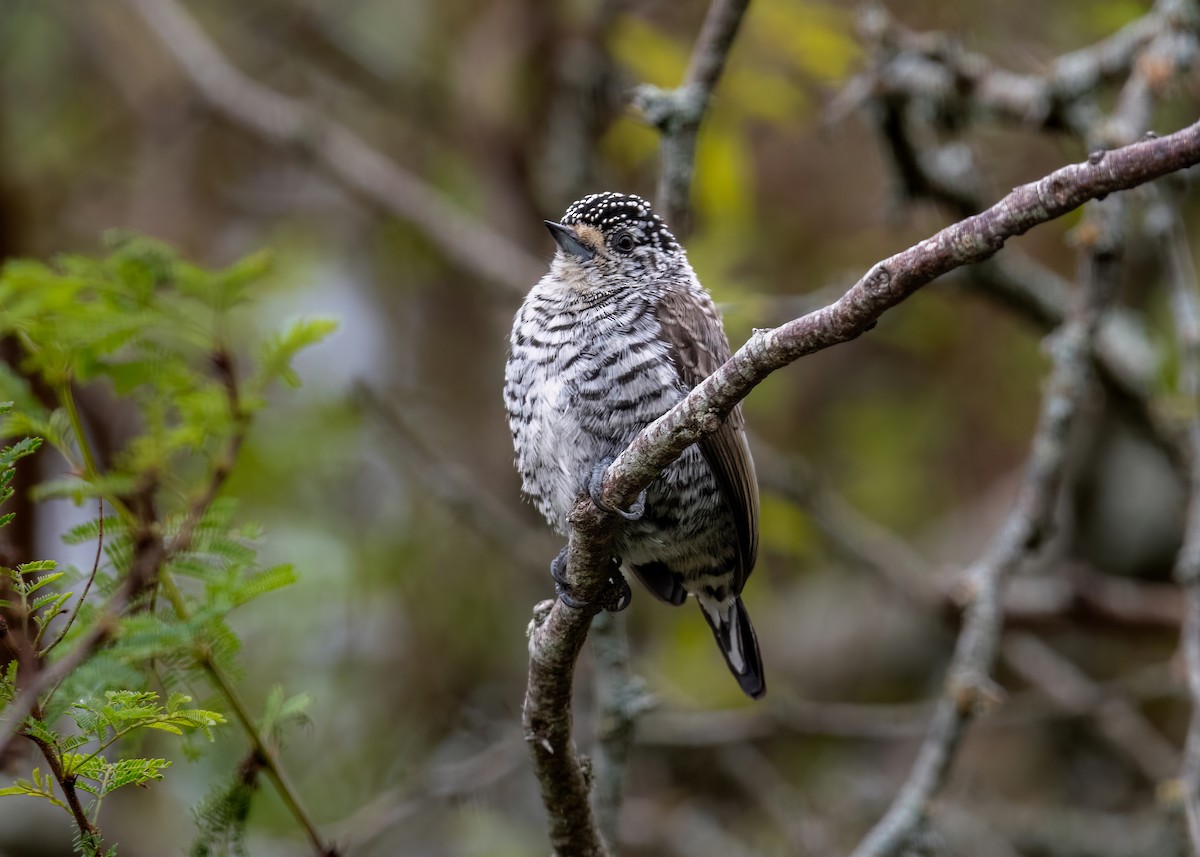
x: 635, y: 511
x: 615, y: 597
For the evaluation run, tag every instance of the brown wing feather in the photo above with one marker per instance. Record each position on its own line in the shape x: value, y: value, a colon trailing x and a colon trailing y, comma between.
x: 693, y: 329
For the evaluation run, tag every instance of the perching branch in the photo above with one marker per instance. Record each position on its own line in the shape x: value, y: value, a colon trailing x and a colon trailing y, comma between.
x: 558, y: 632
x: 677, y: 113
x: 887, y: 284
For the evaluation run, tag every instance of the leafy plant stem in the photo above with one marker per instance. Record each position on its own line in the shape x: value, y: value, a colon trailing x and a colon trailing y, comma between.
x: 65, y: 782
x: 67, y: 400
x: 262, y: 749
x: 87, y: 587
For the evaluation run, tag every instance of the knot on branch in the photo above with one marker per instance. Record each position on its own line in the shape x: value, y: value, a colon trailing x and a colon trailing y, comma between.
x: 878, y: 281
x: 710, y: 421
x: 535, y: 734
x: 670, y: 110
x: 974, y: 694
x: 1053, y: 193
x: 541, y: 612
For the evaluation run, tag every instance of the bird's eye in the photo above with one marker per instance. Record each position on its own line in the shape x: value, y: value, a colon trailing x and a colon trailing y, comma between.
x: 624, y: 242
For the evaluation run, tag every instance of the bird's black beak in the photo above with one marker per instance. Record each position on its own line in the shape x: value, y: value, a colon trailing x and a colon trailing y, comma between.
x: 565, y: 238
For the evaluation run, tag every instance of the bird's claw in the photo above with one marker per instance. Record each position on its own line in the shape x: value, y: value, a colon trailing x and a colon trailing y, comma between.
x: 634, y: 512
x: 614, y: 598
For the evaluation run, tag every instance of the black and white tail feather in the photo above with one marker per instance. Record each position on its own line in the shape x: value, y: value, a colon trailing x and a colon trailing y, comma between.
x: 735, y: 636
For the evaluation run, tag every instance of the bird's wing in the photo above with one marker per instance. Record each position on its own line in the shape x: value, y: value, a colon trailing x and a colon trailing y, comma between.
x: 693, y: 330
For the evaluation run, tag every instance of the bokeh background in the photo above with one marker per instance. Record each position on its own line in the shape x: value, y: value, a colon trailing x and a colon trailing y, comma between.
x: 387, y: 477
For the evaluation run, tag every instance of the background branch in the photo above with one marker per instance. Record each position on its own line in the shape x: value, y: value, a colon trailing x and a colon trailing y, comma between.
x: 678, y: 113
x: 288, y: 122
x: 969, y: 686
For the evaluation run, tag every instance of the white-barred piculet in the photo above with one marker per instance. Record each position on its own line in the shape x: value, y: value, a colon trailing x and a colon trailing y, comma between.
x: 616, y: 333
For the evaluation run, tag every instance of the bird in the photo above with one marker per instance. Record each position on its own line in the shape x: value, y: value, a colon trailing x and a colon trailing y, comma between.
x: 618, y: 331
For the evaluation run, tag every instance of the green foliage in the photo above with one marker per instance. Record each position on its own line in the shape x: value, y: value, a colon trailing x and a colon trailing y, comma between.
x: 155, y: 328
x: 221, y: 817
x: 79, y: 759
x: 172, y: 560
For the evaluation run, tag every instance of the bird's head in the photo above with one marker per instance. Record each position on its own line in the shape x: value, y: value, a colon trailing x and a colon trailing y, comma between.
x: 608, y: 239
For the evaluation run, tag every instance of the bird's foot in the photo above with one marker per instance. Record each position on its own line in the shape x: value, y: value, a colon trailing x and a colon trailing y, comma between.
x: 614, y: 598
x: 635, y: 511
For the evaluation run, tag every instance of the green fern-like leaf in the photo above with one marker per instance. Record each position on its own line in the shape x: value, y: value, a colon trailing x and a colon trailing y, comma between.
x: 275, y: 360
x: 37, y: 786
x: 8, y: 684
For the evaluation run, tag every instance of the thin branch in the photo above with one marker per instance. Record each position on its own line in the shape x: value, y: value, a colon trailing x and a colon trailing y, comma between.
x: 1079, y: 594
x: 67, y: 783
x: 678, y: 113
x: 557, y: 632
x: 287, y: 121
x: 937, y: 67
x: 1116, y: 719
x: 87, y: 586
x: 621, y: 700
x: 181, y: 543
x: 968, y: 684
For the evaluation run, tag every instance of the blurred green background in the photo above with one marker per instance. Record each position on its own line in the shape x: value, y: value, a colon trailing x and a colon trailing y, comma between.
x: 387, y: 478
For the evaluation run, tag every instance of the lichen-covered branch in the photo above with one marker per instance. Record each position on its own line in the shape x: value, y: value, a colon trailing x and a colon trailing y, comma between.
x: 887, y: 284
x: 969, y: 687
x: 936, y: 66
x: 558, y: 632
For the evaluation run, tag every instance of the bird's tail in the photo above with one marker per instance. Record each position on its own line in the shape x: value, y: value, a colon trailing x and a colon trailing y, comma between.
x: 735, y: 635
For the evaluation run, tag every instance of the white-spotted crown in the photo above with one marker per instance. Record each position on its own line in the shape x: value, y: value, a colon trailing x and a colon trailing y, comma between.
x: 612, y: 213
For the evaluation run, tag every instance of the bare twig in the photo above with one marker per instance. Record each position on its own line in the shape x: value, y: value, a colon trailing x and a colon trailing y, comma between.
x: 968, y: 685
x: 1078, y: 594
x: 289, y: 122
x: 677, y: 113
x: 445, y: 782
x: 557, y: 632
x: 937, y: 67
x: 1116, y: 719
